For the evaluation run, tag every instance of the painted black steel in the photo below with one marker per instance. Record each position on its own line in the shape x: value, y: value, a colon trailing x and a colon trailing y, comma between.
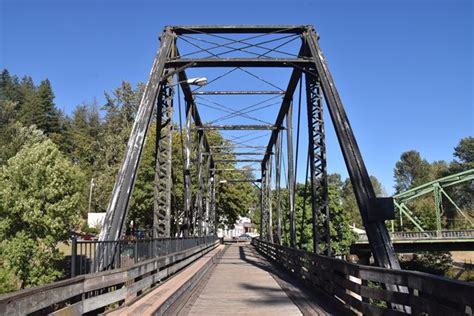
x: 222, y: 29
x: 118, y: 206
x: 278, y: 187
x: 236, y: 92
x: 236, y: 160
x: 291, y: 174
x: 163, y: 181
x: 239, y: 62
x: 379, y: 238
x: 310, y: 60
x: 238, y: 127
x: 317, y: 162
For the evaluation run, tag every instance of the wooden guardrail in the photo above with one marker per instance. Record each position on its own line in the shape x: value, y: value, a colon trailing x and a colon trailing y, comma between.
x: 95, y: 292
x: 366, y: 289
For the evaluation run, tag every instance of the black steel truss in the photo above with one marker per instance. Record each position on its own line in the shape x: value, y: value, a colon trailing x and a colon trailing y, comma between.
x: 199, y: 214
x: 164, y: 130
x: 317, y: 161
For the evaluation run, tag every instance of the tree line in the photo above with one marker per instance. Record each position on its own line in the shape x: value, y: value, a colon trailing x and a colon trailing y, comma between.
x: 49, y: 161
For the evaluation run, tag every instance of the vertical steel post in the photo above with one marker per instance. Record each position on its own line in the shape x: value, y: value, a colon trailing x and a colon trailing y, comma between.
x: 270, y: 200
x: 212, y: 216
x: 438, y: 207
x: 317, y: 159
x: 187, y: 173
x: 73, y: 254
x: 291, y: 174
x: 263, y: 204
x: 163, y: 161
x: 198, y: 205
x: 278, y: 186
x: 208, y: 196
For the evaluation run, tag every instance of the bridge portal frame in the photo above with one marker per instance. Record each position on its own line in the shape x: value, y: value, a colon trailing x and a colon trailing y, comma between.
x: 312, y: 64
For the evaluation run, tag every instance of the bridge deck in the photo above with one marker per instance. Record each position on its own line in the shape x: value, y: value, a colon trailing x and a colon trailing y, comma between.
x: 244, y: 283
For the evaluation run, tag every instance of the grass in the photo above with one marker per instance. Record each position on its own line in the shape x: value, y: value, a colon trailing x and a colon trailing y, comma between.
x: 64, y: 248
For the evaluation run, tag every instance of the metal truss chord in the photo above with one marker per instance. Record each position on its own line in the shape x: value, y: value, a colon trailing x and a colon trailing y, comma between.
x: 239, y: 180
x: 238, y: 127
x: 223, y: 29
x: 236, y: 92
x: 239, y: 62
x: 236, y: 160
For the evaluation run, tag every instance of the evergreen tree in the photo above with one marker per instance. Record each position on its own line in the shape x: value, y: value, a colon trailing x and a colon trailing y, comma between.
x: 28, y: 111
x: 464, y: 153
x: 349, y: 202
x: 9, y: 87
x: 411, y: 171
x: 48, y: 116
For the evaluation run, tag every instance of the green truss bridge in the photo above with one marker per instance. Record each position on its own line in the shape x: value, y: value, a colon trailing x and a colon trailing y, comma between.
x: 422, y: 239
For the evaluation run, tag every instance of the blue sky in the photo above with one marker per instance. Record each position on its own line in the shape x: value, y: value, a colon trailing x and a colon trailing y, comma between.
x: 404, y: 69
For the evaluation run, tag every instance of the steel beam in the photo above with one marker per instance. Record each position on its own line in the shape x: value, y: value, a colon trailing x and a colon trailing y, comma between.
x: 236, y: 160
x: 236, y: 92
x: 291, y: 174
x: 240, y: 170
x: 317, y: 162
x: 199, y: 194
x: 188, y: 208
x: 277, y: 187
x: 270, y: 201
x: 239, y: 180
x: 237, y: 147
x: 262, y: 209
x: 239, y: 153
x: 377, y: 233
x: 118, y: 206
x: 287, y: 99
x: 212, y: 215
x: 239, y: 62
x: 264, y: 204
x: 223, y: 29
x: 237, y: 127
x: 207, y: 213
x: 163, y: 161
x: 193, y: 111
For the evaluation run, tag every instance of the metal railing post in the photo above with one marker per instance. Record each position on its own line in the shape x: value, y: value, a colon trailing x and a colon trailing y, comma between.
x: 136, y: 252
x: 73, y: 255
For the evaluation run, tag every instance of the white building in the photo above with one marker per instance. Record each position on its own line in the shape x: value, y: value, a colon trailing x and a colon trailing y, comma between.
x: 95, y: 220
x: 242, y: 226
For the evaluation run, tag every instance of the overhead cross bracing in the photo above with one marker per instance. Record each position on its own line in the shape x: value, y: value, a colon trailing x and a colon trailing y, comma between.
x: 259, y: 87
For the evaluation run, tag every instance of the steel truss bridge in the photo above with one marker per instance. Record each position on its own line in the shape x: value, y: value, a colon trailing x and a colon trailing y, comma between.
x: 133, y: 277
x: 422, y: 239
x: 438, y: 189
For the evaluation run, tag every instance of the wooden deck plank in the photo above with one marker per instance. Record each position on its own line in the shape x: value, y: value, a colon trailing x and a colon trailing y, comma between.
x: 241, y: 285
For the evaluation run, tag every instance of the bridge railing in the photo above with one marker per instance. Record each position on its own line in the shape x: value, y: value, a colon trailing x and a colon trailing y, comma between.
x: 368, y: 290
x: 96, y: 293
x: 443, y: 234
x: 85, y: 258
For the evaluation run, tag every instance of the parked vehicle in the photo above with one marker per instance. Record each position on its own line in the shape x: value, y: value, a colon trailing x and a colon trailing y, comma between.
x: 245, y: 236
